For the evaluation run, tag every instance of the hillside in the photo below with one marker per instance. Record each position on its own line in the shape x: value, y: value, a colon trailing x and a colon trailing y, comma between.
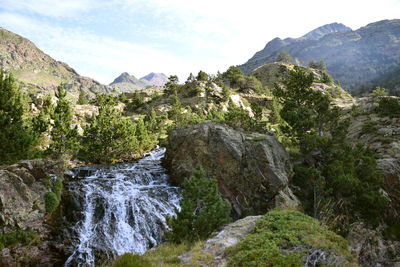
x: 38, y: 71
x: 355, y: 58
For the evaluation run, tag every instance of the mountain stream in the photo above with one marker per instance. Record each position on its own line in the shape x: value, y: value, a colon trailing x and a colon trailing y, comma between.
x: 123, y: 208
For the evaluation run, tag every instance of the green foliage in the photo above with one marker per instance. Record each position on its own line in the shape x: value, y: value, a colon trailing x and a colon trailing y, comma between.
x: 131, y: 260
x: 24, y: 237
x: 51, y: 202
x: 136, y: 102
x: 274, y: 239
x: 108, y: 138
x: 369, y: 127
x: 389, y: 106
x: 308, y: 113
x: 64, y: 139
x: 379, y: 92
x: 326, y: 78
x: 82, y: 100
x: 16, y: 139
x: 234, y: 76
x: 172, y: 85
x: 318, y: 65
x: 284, y: 57
x: 202, y: 76
x: 202, y: 210
x: 57, y: 188
x: 338, y: 182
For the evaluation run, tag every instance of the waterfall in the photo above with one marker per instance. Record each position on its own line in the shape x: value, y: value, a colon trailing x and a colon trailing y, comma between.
x: 123, y: 208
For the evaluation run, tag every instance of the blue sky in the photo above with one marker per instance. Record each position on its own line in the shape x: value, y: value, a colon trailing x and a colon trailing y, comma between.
x: 101, y: 39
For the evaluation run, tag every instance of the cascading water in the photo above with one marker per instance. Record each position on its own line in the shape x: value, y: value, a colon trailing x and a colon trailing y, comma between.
x: 124, y: 208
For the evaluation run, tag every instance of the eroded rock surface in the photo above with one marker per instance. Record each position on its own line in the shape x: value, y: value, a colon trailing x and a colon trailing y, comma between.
x: 252, y: 170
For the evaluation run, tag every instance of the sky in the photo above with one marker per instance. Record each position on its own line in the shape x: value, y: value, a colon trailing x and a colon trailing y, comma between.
x: 103, y: 38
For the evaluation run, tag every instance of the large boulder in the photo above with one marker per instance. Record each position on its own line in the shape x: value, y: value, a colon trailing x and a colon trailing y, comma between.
x: 252, y: 170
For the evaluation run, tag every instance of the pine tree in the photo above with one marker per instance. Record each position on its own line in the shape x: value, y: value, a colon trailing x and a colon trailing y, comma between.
x: 82, y: 100
x: 202, y: 210
x: 15, y: 138
x: 64, y: 138
x: 109, y: 138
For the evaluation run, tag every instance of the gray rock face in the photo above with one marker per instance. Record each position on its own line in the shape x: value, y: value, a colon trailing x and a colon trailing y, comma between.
x: 352, y: 57
x: 252, y: 170
x: 371, y: 249
x: 22, y: 189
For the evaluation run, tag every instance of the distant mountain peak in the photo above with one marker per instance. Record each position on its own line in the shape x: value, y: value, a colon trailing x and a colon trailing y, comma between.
x: 326, y: 29
x: 156, y: 79
x: 125, y: 78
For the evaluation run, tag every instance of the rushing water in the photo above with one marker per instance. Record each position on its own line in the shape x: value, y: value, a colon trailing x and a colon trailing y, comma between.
x: 124, y: 208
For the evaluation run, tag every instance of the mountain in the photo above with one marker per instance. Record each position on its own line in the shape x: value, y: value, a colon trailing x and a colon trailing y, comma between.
x: 156, y: 79
x: 37, y: 71
x: 355, y: 58
x: 320, y: 32
x: 126, y: 82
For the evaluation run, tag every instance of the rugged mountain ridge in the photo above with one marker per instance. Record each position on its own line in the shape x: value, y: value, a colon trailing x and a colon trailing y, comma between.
x: 37, y: 71
x: 355, y: 58
x: 127, y: 82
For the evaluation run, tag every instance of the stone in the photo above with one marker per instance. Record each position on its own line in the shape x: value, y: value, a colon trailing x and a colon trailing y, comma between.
x: 252, y: 170
x: 228, y: 237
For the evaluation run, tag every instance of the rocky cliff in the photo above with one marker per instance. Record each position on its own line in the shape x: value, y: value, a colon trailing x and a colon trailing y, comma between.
x: 252, y: 170
x: 22, y: 206
x: 356, y: 58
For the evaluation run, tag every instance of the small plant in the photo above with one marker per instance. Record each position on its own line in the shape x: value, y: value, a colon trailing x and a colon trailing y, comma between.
x: 131, y: 260
x: 379, y: 92
x: 202, y: 210
x: 389, y: 106
x: 25, y: 237
x: 50, y: 202
x: 369, y: 127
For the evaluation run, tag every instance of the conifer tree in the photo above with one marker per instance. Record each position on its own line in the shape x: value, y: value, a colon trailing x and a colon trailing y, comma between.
x: 15, y: 138
x: 82, y: 100
x: 202, y: 210
x: 64, y: 138
x: 109, y: 138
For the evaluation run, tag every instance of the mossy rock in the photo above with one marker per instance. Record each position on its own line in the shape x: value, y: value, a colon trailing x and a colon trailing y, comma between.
x: 290, y: 238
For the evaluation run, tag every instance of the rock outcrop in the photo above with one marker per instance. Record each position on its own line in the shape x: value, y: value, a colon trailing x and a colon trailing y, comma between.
x: 252, y: 170
x: 382, y: 134
x: 228, y: 237
x: 22, y: 189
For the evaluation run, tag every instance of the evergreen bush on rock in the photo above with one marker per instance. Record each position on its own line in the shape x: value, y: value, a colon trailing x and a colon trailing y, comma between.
x: 202, y: 210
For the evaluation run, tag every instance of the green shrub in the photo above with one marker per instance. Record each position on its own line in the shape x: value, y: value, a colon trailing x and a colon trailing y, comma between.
x: 51, y: 202
x: 369, y: 127
x: 274, y: 239
x: 389, y: 106
x: 25, y: 237
x: 131, y: 260
x: 57, y: 188
x: 202, y: 210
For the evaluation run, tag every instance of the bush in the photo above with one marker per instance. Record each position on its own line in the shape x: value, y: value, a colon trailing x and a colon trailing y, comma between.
x: 51, y: 202
x: 57, y: 188
x: 202, y: 210
x: 131, y: 260
x: 283, y: 238
x: 389, y: 106
x: 25, y: 237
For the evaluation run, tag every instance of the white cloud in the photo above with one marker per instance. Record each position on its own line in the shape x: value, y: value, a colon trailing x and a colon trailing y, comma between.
x: 50, y: 8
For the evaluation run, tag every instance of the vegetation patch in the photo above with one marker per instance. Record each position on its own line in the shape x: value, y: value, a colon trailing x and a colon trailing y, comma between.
x: 24, y: 237
x: 286, y: 238
x: 388, y: 106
